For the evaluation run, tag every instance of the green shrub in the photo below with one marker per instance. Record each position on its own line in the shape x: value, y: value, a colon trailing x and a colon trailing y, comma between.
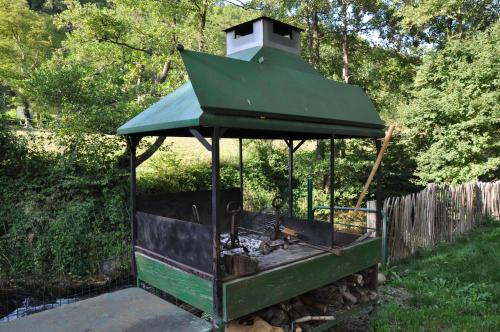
x: 63, y: 213
x: 167, y: 172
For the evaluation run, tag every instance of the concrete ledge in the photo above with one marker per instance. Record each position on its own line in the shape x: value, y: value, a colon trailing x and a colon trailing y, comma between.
x: 127, y: 310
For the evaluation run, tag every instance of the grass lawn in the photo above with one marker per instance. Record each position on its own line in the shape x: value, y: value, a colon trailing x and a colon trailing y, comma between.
x: 454, y: 287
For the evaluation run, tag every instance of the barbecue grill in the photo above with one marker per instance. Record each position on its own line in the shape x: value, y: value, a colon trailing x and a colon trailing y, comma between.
x: 202, y: 247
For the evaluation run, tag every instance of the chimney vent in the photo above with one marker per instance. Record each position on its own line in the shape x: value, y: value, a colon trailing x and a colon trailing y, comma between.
x: 263, y: 31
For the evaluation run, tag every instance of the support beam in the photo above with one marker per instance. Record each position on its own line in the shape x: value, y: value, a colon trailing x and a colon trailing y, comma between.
x: 132, y: 142
x: 216, y: 215
x: 332, y: 185
x: 378, y: 192
x: 378, y: 161
x: 201, y: 139
x: 290, y: 178
x: 241, y: 172
x: 291, y: 150
x: 299, y: 145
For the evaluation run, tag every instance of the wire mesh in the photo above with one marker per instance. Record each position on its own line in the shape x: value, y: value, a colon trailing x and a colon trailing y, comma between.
x: 23, y: 297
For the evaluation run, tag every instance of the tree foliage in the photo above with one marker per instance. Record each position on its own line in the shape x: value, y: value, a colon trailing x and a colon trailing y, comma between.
x: 430, y: 67
x: 27, y: 39
x: 434, y: 21
x: 453, y: 121
x: 58, y: 220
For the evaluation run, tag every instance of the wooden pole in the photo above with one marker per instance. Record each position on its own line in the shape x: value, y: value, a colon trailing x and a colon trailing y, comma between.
x: 241, y: 171
x: 387, y: 139
x: 132, y: 144
x: 332, y: 187
x: 378, y: 196
x: 290, y: 178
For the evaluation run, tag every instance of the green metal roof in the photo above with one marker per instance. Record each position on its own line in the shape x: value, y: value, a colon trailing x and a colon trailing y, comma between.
x: 275, y: 57
x: 259, y: 92
x: 178, y: 109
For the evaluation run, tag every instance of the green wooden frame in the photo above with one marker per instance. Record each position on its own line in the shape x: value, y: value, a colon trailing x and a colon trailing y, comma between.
x: 246, y: 295
x: 185, y: 286
x: 249, y: 294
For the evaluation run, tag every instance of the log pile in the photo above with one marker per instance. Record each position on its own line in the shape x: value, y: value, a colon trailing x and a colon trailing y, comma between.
x: 311, y: 309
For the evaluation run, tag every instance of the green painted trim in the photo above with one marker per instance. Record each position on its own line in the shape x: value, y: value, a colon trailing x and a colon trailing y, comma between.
x: 183, y: 285
x: 246, y: 295
x: 210, y: 120
x: 158, y: 126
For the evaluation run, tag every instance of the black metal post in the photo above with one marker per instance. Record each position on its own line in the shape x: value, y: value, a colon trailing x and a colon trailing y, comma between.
x: 217, y: 282
x: 332, y: 185
x: 241, y: 172
x: 290, y: 178
x: 378, y: 192
x: 132, y: 145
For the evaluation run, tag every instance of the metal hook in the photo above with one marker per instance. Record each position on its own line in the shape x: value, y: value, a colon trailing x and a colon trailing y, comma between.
x: 196, y: 216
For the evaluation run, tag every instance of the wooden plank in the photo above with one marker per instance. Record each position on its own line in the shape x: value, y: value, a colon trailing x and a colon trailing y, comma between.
x: 280, y: 256
x: 249, y: 294
x: 182, y: 285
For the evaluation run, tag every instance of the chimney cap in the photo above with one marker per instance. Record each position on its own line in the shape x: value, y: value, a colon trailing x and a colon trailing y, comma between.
x: 263, y: 18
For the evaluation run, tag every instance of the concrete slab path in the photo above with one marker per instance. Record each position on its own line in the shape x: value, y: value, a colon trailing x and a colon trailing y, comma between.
x: 127, y: 310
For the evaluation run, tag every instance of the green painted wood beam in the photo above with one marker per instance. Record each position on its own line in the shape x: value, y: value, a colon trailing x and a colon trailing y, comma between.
x: 246, y: 295
x: 185, y: 286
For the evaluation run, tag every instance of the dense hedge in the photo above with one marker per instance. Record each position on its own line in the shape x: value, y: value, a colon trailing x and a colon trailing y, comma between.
x: 62, y: 213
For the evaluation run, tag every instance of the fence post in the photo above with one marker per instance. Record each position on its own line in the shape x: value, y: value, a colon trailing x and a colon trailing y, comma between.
x: 309, y: 199
x: 438, y: 212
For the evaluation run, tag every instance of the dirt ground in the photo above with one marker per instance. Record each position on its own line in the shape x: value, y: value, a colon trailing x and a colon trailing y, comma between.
x: 361, y: 322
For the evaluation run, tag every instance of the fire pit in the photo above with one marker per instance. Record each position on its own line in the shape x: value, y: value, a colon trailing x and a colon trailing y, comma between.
x: 203, y: 247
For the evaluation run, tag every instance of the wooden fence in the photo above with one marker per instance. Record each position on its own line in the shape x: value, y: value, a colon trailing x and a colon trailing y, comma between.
x: 437, y: 213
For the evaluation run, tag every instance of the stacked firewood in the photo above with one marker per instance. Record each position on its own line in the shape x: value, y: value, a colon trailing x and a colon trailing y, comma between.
x: 313, y: 308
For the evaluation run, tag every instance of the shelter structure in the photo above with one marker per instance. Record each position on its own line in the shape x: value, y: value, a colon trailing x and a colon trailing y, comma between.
x: 262, y: 89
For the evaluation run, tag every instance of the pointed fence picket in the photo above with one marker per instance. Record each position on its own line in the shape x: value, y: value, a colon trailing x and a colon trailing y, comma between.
x: 438, y: 213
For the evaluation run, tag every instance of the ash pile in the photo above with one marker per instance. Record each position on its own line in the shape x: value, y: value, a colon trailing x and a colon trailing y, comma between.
x: 306, y: 312
x: 241, y: 248
x: 247, y: 243
x: 241, y: 252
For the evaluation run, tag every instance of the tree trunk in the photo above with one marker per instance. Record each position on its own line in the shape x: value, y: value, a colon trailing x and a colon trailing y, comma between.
x: 345, y: 42
x: 167, y: 65
x: 309, y: 40
x: 313, y: 43
x: 162, y: 76
x: 460, y: 24
x: 151, y: 150
x: 201, y: 26
x: 28, y: 120
x: 315, y: 39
